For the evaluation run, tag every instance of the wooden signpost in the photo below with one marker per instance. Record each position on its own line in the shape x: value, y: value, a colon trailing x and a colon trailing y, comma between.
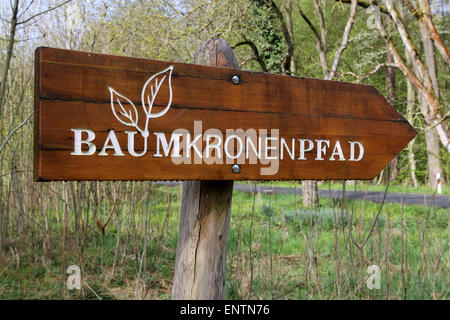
x: 102, y: 117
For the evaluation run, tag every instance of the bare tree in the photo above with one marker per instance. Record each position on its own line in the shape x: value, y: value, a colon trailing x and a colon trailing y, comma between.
x: 286, y: 27
x: 9, y: 51
x: 420, y: 75
x: 16, y: 20
x: 410, y: 109
x: 309, y: 188
x: 321, y: 38
x: 423, y: 13
x: 431, y: 134
x: 390, y: 175
x: 14, y: 23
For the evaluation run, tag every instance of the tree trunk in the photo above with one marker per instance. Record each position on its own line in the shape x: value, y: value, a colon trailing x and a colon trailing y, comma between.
x: 200, y: 266
x: 410, y: 117
x: 431, y: 135
x: 310, y: 193
x: 391, y: 174
x: 9, y: 53
x: 410, y: 109
x: 420, y: 77
x: 434, y: 160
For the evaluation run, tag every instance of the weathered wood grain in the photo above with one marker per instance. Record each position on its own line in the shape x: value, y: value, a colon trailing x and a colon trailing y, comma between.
x: 72, y: 92
x: 200, y: 268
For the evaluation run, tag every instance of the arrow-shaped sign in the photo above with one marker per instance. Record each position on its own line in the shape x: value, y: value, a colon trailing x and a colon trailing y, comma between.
x: 102, y: 117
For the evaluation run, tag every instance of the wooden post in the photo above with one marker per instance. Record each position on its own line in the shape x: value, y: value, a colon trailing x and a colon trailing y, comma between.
x: 200, y: 267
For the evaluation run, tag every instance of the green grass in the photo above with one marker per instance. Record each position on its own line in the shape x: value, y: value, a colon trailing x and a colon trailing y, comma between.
x: 291, y: 252
x: 296, y: 252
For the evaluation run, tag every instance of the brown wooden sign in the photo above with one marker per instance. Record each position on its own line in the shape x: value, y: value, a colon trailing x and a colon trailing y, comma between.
x: 102, y: 117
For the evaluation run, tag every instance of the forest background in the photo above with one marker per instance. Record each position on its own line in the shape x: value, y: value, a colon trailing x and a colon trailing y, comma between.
x: 123, y: 234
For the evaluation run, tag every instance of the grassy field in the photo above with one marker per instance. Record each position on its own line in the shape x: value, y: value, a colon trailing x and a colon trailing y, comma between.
x: 279, y: 250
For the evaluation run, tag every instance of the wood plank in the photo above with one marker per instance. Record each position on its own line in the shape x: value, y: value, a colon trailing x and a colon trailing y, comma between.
x: 72, y: 92
x: 57, y: 167
x: 257, y: 92
x: 60, y: 115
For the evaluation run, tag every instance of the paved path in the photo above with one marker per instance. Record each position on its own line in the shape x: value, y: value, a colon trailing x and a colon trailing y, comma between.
x: 408, y: 198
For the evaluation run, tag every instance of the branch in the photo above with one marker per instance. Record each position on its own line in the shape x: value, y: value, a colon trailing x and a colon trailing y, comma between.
x: 309, y: 23
x: 246, y: 60
x: 15, y: 171
x: 290, y: 48
x: 14, y: 131
x: 415, y: 12
x: 439, y: 122
x: 427, y: 20
x: 288, y: 8
x: 423, y: 85
x: 323, y: 30
x: 9, y: 53
x: 43, y: 12
x: 375, y: 70
x: 409, y: 45
x: 365, y: 4
x: 361, y: 245
x: 256, y: 54
x: 26, y: 9
x: 345, y: 36
x: 320, y: 48
x: 424, y: 16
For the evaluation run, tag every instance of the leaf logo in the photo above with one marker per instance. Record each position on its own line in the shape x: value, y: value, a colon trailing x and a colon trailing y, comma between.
x: 148, y: 98
x: 125, y: 110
